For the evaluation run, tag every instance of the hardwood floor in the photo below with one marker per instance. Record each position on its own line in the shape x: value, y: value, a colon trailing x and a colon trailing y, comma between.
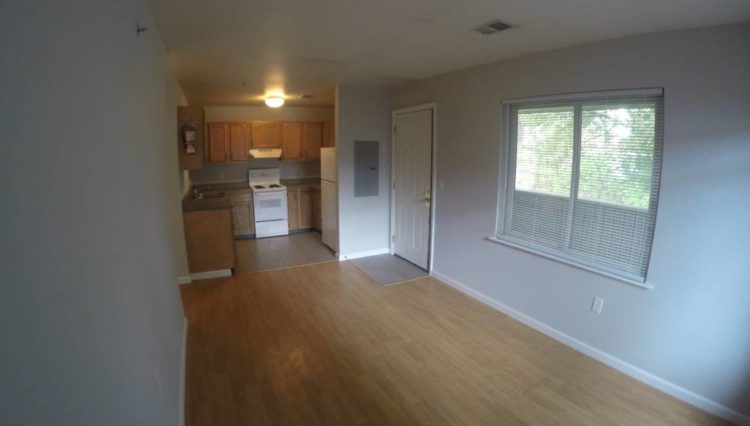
x: 324, y: 345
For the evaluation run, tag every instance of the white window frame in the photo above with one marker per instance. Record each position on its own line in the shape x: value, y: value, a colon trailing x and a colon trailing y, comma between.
x: 507, y: 177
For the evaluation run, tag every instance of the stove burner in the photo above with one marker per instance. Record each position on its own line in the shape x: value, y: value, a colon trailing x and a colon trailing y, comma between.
x: 274, y: 186
x: 259, y: 186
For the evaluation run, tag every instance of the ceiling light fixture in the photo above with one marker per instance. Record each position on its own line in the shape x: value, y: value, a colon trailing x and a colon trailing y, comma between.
x: 274, y: 101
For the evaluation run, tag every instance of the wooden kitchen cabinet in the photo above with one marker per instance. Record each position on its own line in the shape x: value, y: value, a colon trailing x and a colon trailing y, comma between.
x: 300, y: 206
x: 292, y: 202
x: 217, y: 142
x: 291, y: 134
x: 266, y: 134
x: 305, y: 209
x: 317, y: 215
x: 243, y: 219
x: 209, y: 240
x: 312, y: 139
x: 329, y: 134
x: 239, y: 141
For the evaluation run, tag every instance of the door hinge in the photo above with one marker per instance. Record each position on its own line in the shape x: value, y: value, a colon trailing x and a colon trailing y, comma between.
x: 394, y: 129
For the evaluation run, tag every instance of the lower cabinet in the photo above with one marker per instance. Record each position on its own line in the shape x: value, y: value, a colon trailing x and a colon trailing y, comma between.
x: 300, y: 205
x: 305, y: 209
x: 292, y: 203
x: 243, y: 220
x: 208, y: 237
x: 317, y: 216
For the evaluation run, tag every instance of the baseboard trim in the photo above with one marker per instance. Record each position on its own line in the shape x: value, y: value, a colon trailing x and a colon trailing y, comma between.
x: 643, y: 376
x: 366, y: 253
x: 221, y: 273
x: 183, y: 366
x: 184, y: 279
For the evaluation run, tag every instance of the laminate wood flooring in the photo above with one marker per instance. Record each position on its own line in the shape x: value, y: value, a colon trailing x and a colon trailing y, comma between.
x: 324, y: 345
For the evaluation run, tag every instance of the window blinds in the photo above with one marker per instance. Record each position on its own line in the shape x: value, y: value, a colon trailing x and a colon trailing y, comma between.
x: 583, y: 180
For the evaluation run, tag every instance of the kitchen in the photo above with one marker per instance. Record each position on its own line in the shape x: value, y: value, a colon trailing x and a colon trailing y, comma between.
x: 251, y: 184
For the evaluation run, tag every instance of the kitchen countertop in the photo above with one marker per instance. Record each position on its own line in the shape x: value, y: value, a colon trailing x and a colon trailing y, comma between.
x: 234, y: 188
x: 306, y: 182
x: 190, y: 205
x: 229, y: 189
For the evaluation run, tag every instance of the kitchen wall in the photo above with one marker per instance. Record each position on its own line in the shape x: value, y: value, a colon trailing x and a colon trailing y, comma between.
x: 264, y: 113
x: 213, y: 173
x: 691, y: 329
x: 362, y: 114
x: 91, y: 321
x: 216, y: 173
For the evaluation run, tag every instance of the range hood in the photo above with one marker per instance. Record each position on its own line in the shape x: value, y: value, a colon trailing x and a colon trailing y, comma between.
x: 265, y: 152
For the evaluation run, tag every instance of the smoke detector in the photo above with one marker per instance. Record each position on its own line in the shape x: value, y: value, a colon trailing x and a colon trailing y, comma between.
x: 492, y: 27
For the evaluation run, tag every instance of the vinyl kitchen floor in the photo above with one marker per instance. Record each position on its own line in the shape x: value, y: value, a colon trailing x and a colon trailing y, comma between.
x: 280, y: 252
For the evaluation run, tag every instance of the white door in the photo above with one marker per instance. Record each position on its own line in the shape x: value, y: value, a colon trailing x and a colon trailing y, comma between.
x: 412, y: 186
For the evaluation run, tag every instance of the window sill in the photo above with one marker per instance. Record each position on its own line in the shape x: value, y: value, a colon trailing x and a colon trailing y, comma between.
x: 569, y: 262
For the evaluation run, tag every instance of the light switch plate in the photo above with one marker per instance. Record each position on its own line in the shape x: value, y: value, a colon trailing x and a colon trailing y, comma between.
x: 597, y: 305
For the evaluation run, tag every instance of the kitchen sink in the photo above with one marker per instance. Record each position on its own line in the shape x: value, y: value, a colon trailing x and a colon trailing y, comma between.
x: 209, y: 195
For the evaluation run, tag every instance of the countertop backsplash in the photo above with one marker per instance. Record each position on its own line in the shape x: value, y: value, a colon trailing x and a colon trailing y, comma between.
x: 219, y: 173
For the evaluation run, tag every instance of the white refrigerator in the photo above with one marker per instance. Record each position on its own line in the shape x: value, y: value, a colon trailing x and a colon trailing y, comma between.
x: 329, y: 198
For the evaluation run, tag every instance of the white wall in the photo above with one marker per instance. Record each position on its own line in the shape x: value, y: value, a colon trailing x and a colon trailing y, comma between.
x: 362, y: 113
x: 90, y: 315
x: 264, y: 113
x: 692, y: 328
x: 176, y: 180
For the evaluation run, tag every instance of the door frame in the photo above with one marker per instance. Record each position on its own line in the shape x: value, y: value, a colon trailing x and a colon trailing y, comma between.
x: 432, y: 106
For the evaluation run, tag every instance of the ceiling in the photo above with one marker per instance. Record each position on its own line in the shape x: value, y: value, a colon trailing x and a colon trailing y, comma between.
x: 233, y: 52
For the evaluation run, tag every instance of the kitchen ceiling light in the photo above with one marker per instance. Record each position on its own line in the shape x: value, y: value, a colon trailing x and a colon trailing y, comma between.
x: 274, y: 101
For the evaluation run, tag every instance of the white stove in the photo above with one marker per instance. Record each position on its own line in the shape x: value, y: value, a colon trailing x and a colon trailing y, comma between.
x: 269, y: 203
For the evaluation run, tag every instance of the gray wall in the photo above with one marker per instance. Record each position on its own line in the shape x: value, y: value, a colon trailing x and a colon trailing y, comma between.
x: 90, y: 316
x: 175, y: 98
x: 362, y: 113
x: 692, y: 327
x: 213, y: 173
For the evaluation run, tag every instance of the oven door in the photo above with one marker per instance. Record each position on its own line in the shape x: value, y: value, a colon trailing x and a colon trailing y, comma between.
x: 270, y: 206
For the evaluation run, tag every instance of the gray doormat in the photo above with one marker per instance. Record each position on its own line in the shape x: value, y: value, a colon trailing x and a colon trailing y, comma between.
x: 387, y: 269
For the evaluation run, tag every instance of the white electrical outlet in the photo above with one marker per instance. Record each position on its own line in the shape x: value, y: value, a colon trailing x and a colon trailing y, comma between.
x: 597, y: 305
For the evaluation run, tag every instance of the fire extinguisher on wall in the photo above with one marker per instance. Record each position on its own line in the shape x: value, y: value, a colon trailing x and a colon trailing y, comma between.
x: 190, y: 137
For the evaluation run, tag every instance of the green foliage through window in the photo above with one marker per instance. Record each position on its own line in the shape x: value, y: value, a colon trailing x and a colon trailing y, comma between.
x: 616, y: 158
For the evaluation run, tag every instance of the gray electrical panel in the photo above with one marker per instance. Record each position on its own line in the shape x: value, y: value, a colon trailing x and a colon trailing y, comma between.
x: 366, y: 168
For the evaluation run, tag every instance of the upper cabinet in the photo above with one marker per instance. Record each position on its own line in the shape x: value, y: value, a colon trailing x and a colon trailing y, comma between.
x: 312, y: 139
x: 329, y: 134
x: 217, y: 150
x: 266, y: 134
x: 231, y: 141
x: 292, y: 141
x: 227, y: 142
x: 239, y: 141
